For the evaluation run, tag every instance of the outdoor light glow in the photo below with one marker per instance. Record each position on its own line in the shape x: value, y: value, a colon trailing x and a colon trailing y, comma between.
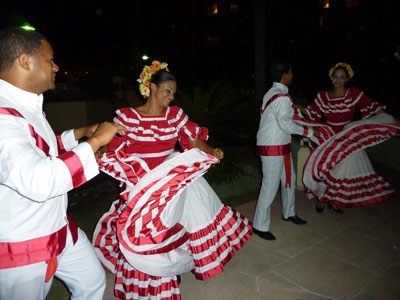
x: 145, y: 57
x: 212, y: 9
x: 325, y: 3
x: 28, y: 27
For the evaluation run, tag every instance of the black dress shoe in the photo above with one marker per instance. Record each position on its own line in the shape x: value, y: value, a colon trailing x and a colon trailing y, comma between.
x: 335, y: 209
x: 319, y: 208
x: 266, y: 235
x: 295, y: 219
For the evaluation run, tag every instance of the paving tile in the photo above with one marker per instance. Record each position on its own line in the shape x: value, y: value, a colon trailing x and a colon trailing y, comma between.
x: 377, y: 221
x: 364, y: 296
x: 247, y: 209
x: 360, y: 250
x: 287, y: 295
x: 389, y: 211
x: 386, y: 286
x: 321, y: 273
x: 324, y: 224
x: 255, y: 258
x: 227, y: 285
x: 271, y: 281
x: 291, y: 239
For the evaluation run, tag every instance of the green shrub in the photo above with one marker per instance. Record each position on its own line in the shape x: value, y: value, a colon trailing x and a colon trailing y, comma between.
x: 230, y: 115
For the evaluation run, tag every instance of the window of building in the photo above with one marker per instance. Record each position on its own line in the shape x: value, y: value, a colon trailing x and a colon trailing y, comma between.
x: 211, y: 8
x: 351, y: 3
x: 234, y: 8
x: 324, y: 3
x: 212, y: 41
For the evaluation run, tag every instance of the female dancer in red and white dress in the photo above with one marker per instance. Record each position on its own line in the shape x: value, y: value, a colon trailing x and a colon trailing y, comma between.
x: 168, y: 220
x: 339, y: 172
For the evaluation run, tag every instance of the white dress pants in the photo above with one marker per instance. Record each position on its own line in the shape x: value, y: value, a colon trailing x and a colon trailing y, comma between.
x: 273, y: 171
x: 78, y: 267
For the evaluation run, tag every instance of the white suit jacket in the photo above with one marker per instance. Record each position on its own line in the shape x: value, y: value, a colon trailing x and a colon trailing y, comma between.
x: 276, y: 123
x: 37, y: 169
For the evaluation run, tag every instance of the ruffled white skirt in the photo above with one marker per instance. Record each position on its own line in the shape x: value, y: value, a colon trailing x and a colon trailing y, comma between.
x: 339, y: 171
x: 168, y: 223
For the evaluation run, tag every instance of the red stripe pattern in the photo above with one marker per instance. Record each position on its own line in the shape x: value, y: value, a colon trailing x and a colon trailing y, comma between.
x: 132, y: 284
x: 72, y: 160
x: 214, y: 246
x: 75, y: 167
x: 339, y: 110
x: 40, y: 142
x: 47, y: 247
x: 137, y: 220
x: 272, y: 99
x: 362, y: 189
x: 16, y: 254
x: 273, y: 150
x: 60, y: 145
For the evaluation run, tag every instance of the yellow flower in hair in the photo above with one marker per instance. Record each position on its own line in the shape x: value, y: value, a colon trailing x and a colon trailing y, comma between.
x: 156, y: 64
x: 350, y: 71
x: 145, y: 76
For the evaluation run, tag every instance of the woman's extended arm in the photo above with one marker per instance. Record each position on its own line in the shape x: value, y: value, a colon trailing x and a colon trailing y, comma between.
x: 202, y: 145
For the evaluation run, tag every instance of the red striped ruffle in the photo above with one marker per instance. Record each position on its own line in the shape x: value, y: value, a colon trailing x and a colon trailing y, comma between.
x: 133, y: 284
x: 362, y: 190
x: 326, y: 131
x: 214, y: 246
x: 371, y: 109
x: 129, y: 283
x: 140, y: 228
x: 121, y: 166
x: 175, y: 120
x: 105, y: 237
x: 136, y: 226
x: 192, y: 131
x: 355, y: 192
x: 349, y: 141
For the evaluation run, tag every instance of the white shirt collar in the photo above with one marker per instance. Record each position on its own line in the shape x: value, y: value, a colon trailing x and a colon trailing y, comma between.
x: 21, y: 98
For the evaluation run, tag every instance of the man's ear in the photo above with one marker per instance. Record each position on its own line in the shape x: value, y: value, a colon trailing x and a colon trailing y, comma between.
x: 24, y: 61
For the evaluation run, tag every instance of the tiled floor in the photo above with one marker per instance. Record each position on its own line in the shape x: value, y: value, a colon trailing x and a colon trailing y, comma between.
x: 351, y: 256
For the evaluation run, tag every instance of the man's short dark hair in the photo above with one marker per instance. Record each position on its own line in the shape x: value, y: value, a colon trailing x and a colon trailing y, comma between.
x: 15, y: 41
x: 278, y: 68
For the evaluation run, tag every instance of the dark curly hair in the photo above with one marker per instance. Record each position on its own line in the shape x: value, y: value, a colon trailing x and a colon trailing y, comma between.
x: 15, y: 41
x: 278, y: 68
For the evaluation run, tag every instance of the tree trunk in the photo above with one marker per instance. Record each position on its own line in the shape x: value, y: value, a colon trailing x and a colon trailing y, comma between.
x: 259, y: 49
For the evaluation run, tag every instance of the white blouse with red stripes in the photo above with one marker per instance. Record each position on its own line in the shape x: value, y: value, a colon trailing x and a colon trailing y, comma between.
x: 339, y: 111
x: 153, y: 138
x: 38, y: 168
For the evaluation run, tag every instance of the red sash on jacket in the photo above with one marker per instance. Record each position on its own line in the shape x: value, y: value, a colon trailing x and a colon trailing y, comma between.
x: 272, y: 99
x: 45, y: 248
x: 278, y: 150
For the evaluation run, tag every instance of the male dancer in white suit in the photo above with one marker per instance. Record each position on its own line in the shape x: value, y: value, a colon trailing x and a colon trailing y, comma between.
x: 273, y: 146
x: 37, y: 168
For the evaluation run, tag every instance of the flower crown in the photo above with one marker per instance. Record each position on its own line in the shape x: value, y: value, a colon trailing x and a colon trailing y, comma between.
x: 147, y: 73
x: 350, y: 71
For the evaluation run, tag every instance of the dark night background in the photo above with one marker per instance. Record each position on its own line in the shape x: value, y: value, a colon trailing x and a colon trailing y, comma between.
x: 95, y: 41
